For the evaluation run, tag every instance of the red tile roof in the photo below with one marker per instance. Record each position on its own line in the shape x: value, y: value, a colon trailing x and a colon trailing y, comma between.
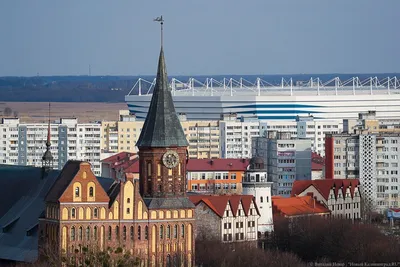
x: 317, y: 162
x: 297, y: 206
x: 217, y: 164
x: 119, y: 157
x: 218, y: 202
x: 324, y: 186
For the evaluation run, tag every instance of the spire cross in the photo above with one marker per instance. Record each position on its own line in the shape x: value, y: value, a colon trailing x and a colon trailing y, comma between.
x: 161, y: 20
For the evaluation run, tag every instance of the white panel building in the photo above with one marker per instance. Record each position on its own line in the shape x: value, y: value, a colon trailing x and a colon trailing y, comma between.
x: 25, y: 143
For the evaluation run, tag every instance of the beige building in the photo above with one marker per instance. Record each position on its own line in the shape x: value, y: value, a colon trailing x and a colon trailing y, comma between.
x: 122, y: 135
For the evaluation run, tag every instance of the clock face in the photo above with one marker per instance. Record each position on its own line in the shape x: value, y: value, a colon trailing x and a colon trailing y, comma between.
x: 170, y: 159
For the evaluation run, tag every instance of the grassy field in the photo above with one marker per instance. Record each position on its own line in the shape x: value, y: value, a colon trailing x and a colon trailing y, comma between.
x: 85, y: 112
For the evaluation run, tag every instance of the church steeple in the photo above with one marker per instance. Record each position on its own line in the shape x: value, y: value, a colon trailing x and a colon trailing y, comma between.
x: 162, y: 127
x: 47, y: 159
x: 162, y: 143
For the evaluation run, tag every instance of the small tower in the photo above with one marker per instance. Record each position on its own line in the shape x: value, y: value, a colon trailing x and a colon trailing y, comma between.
x: 47, y: 159
x: 255, y: 183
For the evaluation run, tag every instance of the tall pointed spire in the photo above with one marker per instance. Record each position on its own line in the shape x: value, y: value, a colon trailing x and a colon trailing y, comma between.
x: 47, y: 159
x: 162, y: 127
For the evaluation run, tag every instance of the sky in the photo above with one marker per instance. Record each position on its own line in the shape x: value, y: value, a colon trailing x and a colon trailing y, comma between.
x: 207, y: 37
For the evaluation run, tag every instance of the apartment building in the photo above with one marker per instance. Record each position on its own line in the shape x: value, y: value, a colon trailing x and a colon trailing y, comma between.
x: 229, y: 218
x: 24, y: 143
x: 287, y: 159
x: 368, y: 152
x: 216, y: 176
x: 236, y: 136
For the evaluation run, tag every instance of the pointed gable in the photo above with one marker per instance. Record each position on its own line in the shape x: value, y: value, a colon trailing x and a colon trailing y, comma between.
x: 162, y: 127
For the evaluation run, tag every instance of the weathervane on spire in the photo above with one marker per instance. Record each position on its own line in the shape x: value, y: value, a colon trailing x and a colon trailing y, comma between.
x: 161, y: 20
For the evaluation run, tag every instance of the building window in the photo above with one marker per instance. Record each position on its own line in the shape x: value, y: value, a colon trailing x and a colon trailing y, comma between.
x: 182, y: 230
x: 91, y: 191
x: 168, y: 231
x: 80, y: 233
x: 109, y: 233
x: 117, y: 232
x: 77, y: 192
x: 73, y: 213
x: 176, y: 231
x: 87, y: 233
x: 95, y: 213
x: 149, y: 169
x: 95, y: 233
x: 128, y: 200
x: 233, y: 176
x: 146, y: 233
x: 128, y: 211
x: 124, y: 233
x: 161, y: 232
x: 261, y: 199
x: 138, y: 233
x: 73, y: 233
x: 132, y: 231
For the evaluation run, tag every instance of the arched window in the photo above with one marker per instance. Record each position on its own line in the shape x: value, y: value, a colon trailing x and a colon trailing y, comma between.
x: 80, y: 234
x: 124, y: 233
x: 161, y: 232
x: 168, y: 231
x: 77, y: 191
x: 146, y: 233
x: 88, y: 233
x: 95, y: 213
x: 109, y: 233
x: 95, y: 233
x: 261, y: 199
x: 117, y: 232
x: 182, y: 230
x: 138, y: 233
x: 168, y: 261
x: 132, y: 232
x: 73, y: 213
x: 176, y: 231
x: 91, y: 191
x: 128, y: 200
x: 73, y: 233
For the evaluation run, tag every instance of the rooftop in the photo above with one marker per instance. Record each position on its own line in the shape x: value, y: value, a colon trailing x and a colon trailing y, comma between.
x: 217, y: 165
x: 298, y: 206
x: 324, y: 186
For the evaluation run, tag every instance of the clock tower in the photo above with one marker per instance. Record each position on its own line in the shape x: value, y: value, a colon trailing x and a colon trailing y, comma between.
x: 162, y: 144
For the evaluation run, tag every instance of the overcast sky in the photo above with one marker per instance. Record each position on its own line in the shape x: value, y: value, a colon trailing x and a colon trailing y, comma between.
x: 58, y: 37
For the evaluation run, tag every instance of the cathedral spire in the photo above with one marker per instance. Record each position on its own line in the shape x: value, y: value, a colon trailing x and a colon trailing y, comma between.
x: 162, y: 127
x: 47, y: 159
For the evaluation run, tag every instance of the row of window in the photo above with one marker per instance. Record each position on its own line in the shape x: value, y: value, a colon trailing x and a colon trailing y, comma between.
x: 168, y: 233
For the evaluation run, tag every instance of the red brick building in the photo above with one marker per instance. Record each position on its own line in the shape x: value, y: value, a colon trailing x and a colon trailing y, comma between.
x: 151, y: 217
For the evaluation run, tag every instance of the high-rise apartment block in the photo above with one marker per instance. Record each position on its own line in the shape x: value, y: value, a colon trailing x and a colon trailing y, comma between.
x: 24, y: 143
x: 369, y: 152
x: 287, y: 159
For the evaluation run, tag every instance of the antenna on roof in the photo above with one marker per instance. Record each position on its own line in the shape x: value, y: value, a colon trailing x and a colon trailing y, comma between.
x: 161, y: 20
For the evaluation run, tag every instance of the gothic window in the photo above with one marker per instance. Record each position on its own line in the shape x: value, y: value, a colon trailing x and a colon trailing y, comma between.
x: 87, y: 233
x: 132, y: 232
x: 91, y: 191
x: 73, y: 213
x: 168, y: 261
x: 73, y: 233
x: 161, y: 232
x: 138, y: 232
x: 146, y: 233
x: 95, y: 233
x: 149, y: 169
x: 80, y: 233
x: 77, y: 192
x: 109, y: 233
x: 168, y: 231
x: 182, y: 230
x: 95, y: 213
x: 117, y: 232
x: 124, y: 233
x: 176, y: 231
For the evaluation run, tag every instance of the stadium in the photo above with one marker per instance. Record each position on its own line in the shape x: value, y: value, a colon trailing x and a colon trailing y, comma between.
x: 332, y: 99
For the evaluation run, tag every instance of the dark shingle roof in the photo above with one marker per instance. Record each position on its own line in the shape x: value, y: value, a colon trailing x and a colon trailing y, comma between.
x: 168, y: 203
x: 22, y: 193
x: 162, y: 127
